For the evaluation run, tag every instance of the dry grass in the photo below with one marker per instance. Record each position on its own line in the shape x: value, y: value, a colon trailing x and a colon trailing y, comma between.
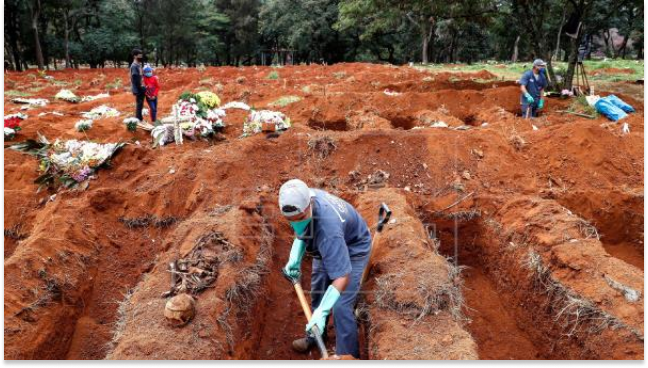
x: 574, y: 314
x: 432, y: 297
x: 241, y: 296
x: 321, y: 146
x: 149, y: 220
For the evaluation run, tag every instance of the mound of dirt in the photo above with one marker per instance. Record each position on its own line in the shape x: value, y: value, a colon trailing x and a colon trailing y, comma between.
x: 440, y: 116
x: 403, y: 307
x: 367, y: 120
x: 594, y: 298
x: 217, y: 331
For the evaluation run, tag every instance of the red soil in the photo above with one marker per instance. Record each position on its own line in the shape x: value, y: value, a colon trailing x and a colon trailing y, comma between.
x: 69, y: 260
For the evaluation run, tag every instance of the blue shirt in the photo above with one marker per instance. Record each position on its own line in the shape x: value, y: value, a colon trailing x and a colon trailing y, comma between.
x: 532, y: 84
x: 336, y: 233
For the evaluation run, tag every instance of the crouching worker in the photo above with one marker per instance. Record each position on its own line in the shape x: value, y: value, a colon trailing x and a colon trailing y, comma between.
x: 338, y: 238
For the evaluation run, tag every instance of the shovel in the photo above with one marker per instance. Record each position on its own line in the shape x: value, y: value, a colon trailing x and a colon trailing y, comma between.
x: 307, y: 313
x: 384, y: 213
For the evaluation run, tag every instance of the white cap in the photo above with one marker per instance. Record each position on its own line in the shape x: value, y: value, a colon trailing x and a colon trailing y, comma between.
x: 294, y: 197
x: 539, y: 62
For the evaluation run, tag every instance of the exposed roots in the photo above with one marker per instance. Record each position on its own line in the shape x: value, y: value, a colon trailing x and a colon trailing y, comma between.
x: 575, y: 314
x: 321, y: 146
x: 15, y: 232
x: 149, y: 220
x: 241, y: 296
x: 122, y: 317
x: 430, y: 298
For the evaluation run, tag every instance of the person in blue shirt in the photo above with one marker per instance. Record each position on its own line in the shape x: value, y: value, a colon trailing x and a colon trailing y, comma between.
x: 532, y: 84
x: 339, y: 240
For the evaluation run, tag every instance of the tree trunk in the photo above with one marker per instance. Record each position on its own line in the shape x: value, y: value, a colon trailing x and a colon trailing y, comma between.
x: 35, y: 13
x: 514, y: 58
x: 66, y: 42
x: 562, y: 22
x: 573, y: 59
x: 622, y: 49
x: 12, y: 33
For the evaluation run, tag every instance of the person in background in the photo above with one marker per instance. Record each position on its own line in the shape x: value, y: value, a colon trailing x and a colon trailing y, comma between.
x: 152, y: 89
x: 137, y: 84
x: 532, y: 84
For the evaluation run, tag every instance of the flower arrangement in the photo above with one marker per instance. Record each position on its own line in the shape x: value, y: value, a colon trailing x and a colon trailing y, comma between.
x: 95, y: 97
x: 209, y: 99
x: 9, y: 134
x: 83, y: 125
x: 256, y: 121
x: 69, y: 164
x: 131, y: 124
x: 31, y: 102
x: 67, y: 95
x: 102, y: 111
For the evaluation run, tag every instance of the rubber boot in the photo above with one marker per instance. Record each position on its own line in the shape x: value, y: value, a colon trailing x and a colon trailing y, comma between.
x: 304, y: 344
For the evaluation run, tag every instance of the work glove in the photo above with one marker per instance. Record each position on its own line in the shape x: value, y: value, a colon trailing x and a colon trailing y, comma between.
x: 541, y: 104
x: 528, y: 97
x: 293, y: 267
x: 319, y: 315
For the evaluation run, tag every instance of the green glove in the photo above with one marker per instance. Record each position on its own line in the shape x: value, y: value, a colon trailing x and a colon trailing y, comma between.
x: 528, y: 97
x: 293, y: 267
x: 541, y: 103
x: 319, y: 315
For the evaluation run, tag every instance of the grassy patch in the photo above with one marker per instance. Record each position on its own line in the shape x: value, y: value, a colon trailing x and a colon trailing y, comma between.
x: 513, y: 71
x: 16, y: 93
x: 284, y: 101
x: 581, y: 106
x: 116, y: 84
x: 339, y: 75
x: 274, y: 75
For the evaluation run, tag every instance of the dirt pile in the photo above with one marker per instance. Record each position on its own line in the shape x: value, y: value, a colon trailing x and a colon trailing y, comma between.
x: 240, y: 242
x: 407, y: 306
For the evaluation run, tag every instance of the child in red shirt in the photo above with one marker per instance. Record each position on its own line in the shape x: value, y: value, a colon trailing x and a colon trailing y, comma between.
x: 152, y: 88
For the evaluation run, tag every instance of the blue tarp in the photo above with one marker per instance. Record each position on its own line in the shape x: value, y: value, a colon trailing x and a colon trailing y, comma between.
x: 619, y: 103
x: 608, y: 109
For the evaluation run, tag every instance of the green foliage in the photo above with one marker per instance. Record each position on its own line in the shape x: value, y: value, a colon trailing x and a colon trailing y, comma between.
x: 273, y: 75
x: 239, y: 32
x: 116, y: 84
x: 284, y: 101
x: 581, y: 106
x: 16, y: 93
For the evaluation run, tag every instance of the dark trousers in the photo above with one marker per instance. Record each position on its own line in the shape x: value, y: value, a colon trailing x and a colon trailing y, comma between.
x: 346, y: 328
x: 152, y: 102
x: 139, y: 105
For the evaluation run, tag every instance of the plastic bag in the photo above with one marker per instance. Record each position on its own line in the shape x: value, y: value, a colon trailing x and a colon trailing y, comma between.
x: 619, y: 103
x: 608, y: 109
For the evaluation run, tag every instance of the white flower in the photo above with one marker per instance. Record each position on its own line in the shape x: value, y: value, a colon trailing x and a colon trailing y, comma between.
x: 96, y: 97
x: 9, y: 133
x: 99, y: 112
x: 83, y: 125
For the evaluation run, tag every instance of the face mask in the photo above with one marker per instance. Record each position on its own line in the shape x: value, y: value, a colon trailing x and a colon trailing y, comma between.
x: 148, y: 74
x: 300, y: 226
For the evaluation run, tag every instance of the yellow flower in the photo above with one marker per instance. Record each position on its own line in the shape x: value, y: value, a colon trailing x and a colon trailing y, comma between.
x: 210, y: 99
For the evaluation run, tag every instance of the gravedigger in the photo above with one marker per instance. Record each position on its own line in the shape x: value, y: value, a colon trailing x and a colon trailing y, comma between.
x: 339, y: 240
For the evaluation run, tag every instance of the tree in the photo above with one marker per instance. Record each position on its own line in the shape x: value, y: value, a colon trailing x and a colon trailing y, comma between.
x: 35, y: 11
x: 424, y: 15
x: 13, y: 9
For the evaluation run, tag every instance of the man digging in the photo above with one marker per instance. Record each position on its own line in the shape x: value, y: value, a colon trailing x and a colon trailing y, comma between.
x: 340, y: 242
x: 532, y: 83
